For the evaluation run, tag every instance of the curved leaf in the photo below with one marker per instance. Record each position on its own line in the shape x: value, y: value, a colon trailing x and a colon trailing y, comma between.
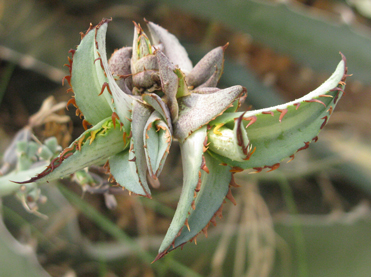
x: 171, y: 47
x: 119, y: 100
x: 85, y: 82
x: 233, y: 144
x: 93, y: 147
x: 209, y: 202
x: 192, y: 112
x: 208, y: 70
x: 192, y: 152
x: 156, y: 102
x: 157, y: 141
x: 137, y: 155
x: 279, y: 132
x: 169, y: 83
x: 124, y: 174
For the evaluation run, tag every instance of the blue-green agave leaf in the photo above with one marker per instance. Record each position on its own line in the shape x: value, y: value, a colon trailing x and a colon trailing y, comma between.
x: 192, y: 112
x: 85, y: 82
x: 137, y: 156
x: 120, y: 66
x: 208, y: 204
x: 233, y: 144
x: 93, y: 147
x: 125, y: 173
x: 156, y: 102
x: 171, y: 47
x: 208, y: 70
x: 157, y: 142
x: 169, y: 83
x: 119, y: 100
x: 192, y: 153
x: 279, y: 132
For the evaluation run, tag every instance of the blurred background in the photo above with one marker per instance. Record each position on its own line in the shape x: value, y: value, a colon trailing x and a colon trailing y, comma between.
x: 311, y: 217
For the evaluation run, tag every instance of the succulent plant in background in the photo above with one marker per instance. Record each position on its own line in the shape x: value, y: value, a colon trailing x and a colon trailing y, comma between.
x: 148, y: 95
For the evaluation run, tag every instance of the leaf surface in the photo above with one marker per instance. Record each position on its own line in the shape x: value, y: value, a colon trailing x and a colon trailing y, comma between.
x: 279, y: 132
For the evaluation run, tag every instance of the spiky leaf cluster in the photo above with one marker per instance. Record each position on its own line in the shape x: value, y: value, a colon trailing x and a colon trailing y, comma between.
x: 149, y: 94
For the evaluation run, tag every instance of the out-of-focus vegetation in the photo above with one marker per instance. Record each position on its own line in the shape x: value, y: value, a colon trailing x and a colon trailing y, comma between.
x: 309, y: 218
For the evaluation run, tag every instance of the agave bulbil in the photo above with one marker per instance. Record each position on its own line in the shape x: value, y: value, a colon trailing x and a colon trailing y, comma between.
x: 149, y: 94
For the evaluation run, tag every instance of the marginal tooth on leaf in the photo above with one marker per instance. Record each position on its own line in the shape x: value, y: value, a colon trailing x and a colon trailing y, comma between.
x: 69, y: 90
x: 304, y: 147
x: 297, y: 105
x: 236, y: 169
x: 233, y: 183
x: 107, y: 167
x: 251, y: 118
x: 292, y: 158
x: 213, y: 220
x: 72, y: 51
x: 130, y: 134
x: 330, y: 110
x: 324, y: 121
x: 316, y: 101
x: 68, y: 78
x: 78, y: 113
x: 315, y: 139
x: 206, y: 145
x: 85, y: 124
x: 198, y: 187
x: 105, y: 85
x: 257, y: 170
x: 194, y: 239
x: 326, y: 95
x: 114, y: 117
x: 71, y: 101
x: 250, y: 154
x: 283, y: 112
x: 230, y: 197
x: 193, y: 205
x: 269, y: 112
x: 204, y: 230
x: 133, y: 159
x: 100, y: 61
x: 337, y: 95
x: 203, y: 165
x: 273, y: 167
x: 186, y: 224
x: 124, y: 137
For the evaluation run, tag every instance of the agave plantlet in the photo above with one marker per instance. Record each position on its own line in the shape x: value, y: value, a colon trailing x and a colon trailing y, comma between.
x: 148, y: 95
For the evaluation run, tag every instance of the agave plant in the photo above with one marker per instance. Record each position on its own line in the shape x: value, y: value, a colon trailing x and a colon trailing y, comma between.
x: 148, y: 95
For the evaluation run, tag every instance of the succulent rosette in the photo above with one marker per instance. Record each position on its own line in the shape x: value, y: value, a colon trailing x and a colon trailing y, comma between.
x: 149, y: 94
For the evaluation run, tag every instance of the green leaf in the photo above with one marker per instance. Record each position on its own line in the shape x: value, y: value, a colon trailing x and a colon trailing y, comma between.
x: 214, y: 188
x: 93, y: 147
x: 192, y: 112
x: 169, y: 83
x: 119, y: 100
x: 17, y: 259
x: 171, y: 47
x: 125, y: 173
x: 279, y: 132
x: 156, y: 102
x: 233, y: 144
x: 208, y: 70
x: 192, y: 152
x: 85, y: 82
x: 137, y: 156
x: 157, y: 141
